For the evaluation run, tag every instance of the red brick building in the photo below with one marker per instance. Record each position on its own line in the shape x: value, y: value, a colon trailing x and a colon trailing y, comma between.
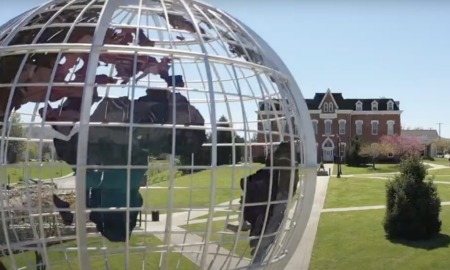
x: 337, y: 119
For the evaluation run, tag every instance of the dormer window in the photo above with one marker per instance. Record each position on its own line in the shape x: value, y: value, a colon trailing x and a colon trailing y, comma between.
x: 330, y: 107
x: 374, y: 106
x: 390, y: 105
x: 359, y: 106
x: 325, y: 107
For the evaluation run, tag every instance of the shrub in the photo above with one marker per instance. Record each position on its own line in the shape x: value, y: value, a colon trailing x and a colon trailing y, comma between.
x: 412, y: 205
x: 352, y: 156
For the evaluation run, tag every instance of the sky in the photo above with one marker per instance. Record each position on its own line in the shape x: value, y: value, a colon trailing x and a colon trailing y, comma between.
x: 363, y: 49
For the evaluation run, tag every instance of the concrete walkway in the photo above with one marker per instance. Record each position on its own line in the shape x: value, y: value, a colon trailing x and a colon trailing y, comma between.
x: 302, y: 256
x: 362, y: 208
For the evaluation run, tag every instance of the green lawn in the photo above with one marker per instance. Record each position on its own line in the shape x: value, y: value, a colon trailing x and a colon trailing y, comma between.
x: 116, y: 258
x: 439, y: 161
x: 440, y: 172
x: 379, y: 168
x: 34, y: 170
x: 193, y: 190
x: 355, y: 240
x: 223, y: 237
x: 352, y: 191
x: 444, y: 178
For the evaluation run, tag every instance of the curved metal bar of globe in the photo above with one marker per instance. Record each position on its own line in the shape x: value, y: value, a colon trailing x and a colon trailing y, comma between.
x: 39, y: 66
x: 105, y: 187
x: 182, y: 23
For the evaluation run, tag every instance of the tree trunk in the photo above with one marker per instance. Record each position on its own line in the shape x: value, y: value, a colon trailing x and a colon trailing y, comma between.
x: 373, y: 163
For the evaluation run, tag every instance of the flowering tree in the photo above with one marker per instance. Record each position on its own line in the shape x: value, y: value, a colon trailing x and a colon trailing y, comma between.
x: 375, y: 151
x: 403, y: 145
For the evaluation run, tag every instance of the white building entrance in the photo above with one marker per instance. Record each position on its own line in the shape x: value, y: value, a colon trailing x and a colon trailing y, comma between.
x: 328, y: 150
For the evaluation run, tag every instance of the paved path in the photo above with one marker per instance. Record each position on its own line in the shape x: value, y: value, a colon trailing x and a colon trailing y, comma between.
x: 190, y: 244
x: 302, y: 256
x: 362, y: 208
x: 436, y: 166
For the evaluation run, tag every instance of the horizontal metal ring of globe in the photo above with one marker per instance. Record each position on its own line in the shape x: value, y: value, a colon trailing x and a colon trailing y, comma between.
x: 148, y: 134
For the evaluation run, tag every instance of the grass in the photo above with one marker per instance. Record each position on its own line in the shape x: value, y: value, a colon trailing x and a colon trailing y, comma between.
x: 443, y: 178
x: 193, y: 190
x: 115, y: 255
x: 355, y: 240
x: 223, y: 237
x: 440, y: 172
x: 367, y: 169
x: 35, y: 171
x: 438, y: 161
x: 353, y: 192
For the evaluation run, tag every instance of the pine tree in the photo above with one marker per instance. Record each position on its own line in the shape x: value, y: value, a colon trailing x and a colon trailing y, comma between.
x: 412, y: 205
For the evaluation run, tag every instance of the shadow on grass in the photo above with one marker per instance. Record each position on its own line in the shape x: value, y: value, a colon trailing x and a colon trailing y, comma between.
x: 439, y: 241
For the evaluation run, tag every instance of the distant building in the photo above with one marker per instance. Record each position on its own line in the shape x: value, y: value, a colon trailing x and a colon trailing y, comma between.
x: 335, y: 119
x: 428, y: 137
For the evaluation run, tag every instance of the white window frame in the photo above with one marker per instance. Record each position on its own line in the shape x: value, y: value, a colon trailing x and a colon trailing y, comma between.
x: 374, y: 106
x: 325, y: 107
x: 390, y: 105
x: 315, y: 126
x: 373, y: 122
x: 331, y: 126
x: 342, y: 130
x: 330, y: 107
x: 359, y: 127
x: 390, y: 127
x: 267, y: 124
x: 359, y: 106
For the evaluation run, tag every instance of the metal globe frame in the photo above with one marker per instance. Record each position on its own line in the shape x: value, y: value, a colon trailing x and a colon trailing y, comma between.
x: 257, y: 62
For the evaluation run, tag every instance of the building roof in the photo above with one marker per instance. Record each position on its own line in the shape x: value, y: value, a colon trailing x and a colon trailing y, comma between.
x: 341, y: 102
x: 350, y: 103
x: 425, y: 136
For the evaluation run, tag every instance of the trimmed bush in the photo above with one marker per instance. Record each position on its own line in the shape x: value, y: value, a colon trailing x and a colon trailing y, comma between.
x: 412, y: 205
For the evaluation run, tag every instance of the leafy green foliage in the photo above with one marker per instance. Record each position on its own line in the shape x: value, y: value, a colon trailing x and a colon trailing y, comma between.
x: 15, y: 148
x: 224, y: 153
x: 412, y: 205
x: 353, y: 157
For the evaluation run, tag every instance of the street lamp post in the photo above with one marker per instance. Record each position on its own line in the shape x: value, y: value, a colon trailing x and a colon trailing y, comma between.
x: 339, y: 157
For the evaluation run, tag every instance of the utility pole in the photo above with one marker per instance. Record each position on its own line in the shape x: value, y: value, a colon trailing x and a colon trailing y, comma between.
x: 440, y: 124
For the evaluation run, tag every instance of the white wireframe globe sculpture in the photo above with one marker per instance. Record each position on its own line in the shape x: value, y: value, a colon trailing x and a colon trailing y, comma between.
x: 148, y: 134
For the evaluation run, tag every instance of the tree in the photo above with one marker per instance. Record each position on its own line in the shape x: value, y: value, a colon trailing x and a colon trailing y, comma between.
x: 352, y: 156
x: 46, y: 151
x: 15, y: 148
x: 412, y: 205
x: 33, y: 151
x: 201, y: 158
x: 442, y: 145
x: 374, y: 151
x: 224, y: 153
x: 240, y: 150
x: 403, y: 145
